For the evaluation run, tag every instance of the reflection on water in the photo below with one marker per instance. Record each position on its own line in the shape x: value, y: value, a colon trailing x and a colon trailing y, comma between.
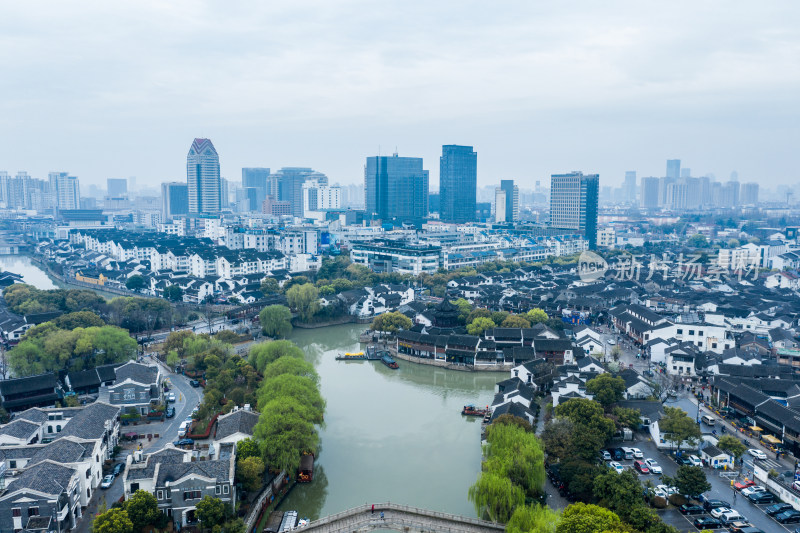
x: 31, y: 274
x: 390, y: 435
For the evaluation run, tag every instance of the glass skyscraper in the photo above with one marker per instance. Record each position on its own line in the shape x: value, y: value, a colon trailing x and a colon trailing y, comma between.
x: 396, y: 188
x: 573, y: 203
x: 458, y: 179
x: 175, y: 199
x: 258, y: 180
x: 202, y: 176
x: 510, y: 212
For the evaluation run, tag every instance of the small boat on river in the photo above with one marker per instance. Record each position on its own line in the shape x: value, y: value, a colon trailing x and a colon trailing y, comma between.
x: 358, y: 356
x: 471, y: 410
x: 306, y: 471
x: 388, y: 361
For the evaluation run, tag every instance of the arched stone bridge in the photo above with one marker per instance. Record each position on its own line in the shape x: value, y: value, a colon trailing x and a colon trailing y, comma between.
x: 399, y: 518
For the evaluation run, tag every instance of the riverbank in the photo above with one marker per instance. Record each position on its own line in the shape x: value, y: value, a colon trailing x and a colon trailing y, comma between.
x: 347, y: 319
x: 64, y: 282
x: 445, y: 364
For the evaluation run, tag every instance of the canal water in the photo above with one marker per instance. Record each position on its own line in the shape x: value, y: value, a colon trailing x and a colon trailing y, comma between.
x: 31, y: 273
x: 390, y: 435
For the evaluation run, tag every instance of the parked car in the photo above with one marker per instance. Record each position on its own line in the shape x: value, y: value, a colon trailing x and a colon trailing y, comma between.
x: 706, y: 522
x: 171, y: 397
x: 758, y: 454
x: 617, y: 454
x: 618, y: 468
x: 683, y: 460
x: 605, y: 456
x: 719, y: 511
x: 637, y: 453
x: 739, y: 485
x: 695, y: 460
x: 183, y: 442
x: 755, y: 488
x: 612, y: 342
x: 788, y: 517
x: 708, y: 505
x: 744, y: 527
x: 761, y: 497
x: 117, y: 469
x: 170, y: 412
x: 194, y: 383
x: 777, y: 508
x: 107, y: 481
x: 653, y: 466
x: 691, y: 509
x: 641, y: 467
x: 730, y: 517
x: 667, y: 489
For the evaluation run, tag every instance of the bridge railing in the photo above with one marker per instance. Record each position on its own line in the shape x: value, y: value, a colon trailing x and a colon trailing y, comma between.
x: 388, y: 506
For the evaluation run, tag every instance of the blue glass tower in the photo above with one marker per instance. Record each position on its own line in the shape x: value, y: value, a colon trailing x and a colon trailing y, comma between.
x: 458, y: 180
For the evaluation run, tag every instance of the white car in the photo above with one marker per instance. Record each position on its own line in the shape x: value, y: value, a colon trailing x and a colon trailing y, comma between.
x: 732, y: 516
x: 653, y: 466
x: 660, y: 493
x: 758, y: 454
x: 752, y: 490
x: 611, y: 342
x: 107, y: 481
x: 668, y: 490
x: 695, y: 460
x: 637, y: 453
x: 616, y: 466
x: 719, y: 511
x: 171, y: 397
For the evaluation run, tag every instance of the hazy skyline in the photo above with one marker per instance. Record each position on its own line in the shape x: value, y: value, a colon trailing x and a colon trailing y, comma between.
x: 109, y: 90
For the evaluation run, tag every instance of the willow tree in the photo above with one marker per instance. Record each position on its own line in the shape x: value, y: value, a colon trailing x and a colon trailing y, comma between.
x: 496, y: 496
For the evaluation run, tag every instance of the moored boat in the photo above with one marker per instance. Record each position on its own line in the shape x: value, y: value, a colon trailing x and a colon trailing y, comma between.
x: 306, y: 471
x: 388, y: 361
x: 359, y: 356
x: 472, y: 410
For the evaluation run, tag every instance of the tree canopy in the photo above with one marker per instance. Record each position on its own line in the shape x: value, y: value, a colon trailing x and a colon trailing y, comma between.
x: 679, y: 427
x: 264, y: 353
x: 114, y: 520
x: 515, y: 321
x: 211, y: 511
x: 142, y: 509
x: 537, y: 316
x: 391, y: 322
x: 606, y: 389
x: 479, y: 325
x: 275, y: 320
x: 587, y: 518
x: 304, y: 299
x: 592, y: 427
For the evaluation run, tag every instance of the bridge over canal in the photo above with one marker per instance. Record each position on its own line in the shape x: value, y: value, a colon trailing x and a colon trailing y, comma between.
x: 399, y: 518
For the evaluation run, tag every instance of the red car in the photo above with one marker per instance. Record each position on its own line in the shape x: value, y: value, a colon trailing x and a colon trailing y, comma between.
x: 743, y: 485
x: 641, y: 467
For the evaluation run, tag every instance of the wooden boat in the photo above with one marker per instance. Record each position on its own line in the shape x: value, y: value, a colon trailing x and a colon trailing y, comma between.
x: 306, y: 471
x: 359, y: 356
x: 471, y: 410
x: 388, y: 361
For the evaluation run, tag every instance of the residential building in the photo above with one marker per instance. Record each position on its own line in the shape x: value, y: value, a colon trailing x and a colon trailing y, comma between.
x: 396, y: 188
x: 649, y: 193
x: 174, y: 200
x: 499, y: 205
x: 117, y: 187
x: 629, y: 187
x: 136, y: 386
x: 203, y: 179
x: 286, y: 185
x: 673, y: 168
x: 510, y: 193
x: 320, y: 196
x: 573, y: 203
x: 749, y: 193
x: 66, y: 190
x: 395, y: 256
x: 458, y: 181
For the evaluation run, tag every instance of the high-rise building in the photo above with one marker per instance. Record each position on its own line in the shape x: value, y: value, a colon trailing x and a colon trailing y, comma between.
x: 500, y: 205
x: 286, y: 185
x: 629, y: 187
x: 573, y: 203
x: 649, y: 198
x: 65, y: 189
x: 396, y: 187
x: 674, y: 168
x: 749, y: 194
x: 224, y: 194
x: 686, y: 172
x: 511, y: 210
x: 174, y: 200
x: 730, y: 194
x: 256, y: 178
x: 318, y: 197
x: 117, y: 188
x: 458, y: 181
x: 202, y: 176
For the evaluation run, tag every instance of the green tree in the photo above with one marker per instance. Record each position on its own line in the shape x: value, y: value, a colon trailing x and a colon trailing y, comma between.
x: 498, y: 316
x: 173, y: 293
x: 533, y: 519
x: 628, y: 418
x: 592, y: 428
x: 587, y: 518
x: 482, y: 312
x: 516, y: 453
x: 731, y: 445
x: 292, y: 366
x: 678, y: 427
x: 642, y: 518
x: 496, y: 496
x: 391, y: 322
x: 606, y: 389
x: 135, y: 283
x: 579, y: 476
x: 112, y: 521
x: 691, y: 480
x: 619, y: 492
x: 247, y: 448
x: 464, y: 309
x: 270, y: 286
x: 211, y: 512
x: 177, y: 341
x: 515, y: 321
x: 250, y: 471
x: 302, y: 390
x: 479, y: 325
x: 698, y: 241
x: 275, y: 320
x: 304, y: 299
x: 264, y: 353
x: 557, y: 439
x: 285, y: 431
x: 142, y: 509
x: 537, y: 316
x: 231, y: 526
x: 79, y: 319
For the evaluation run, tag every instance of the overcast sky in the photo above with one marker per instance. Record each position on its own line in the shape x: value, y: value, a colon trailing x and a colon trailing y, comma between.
x: 117, y: 89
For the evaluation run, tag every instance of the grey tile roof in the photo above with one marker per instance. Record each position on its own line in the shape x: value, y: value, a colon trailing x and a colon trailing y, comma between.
x: 219, y: 470
x: 240, y: 421
x: 139, y: 373
x: 63, y: 451
x: 47, y: 477
x: 34, y: 414
x: 89, y: 422
x: 20, y: 429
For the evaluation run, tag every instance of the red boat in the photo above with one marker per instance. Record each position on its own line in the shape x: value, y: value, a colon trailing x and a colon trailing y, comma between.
x: 471, y: 410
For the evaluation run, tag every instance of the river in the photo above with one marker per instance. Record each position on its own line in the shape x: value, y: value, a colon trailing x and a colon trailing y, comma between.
x: 31, y: 274
x: 390, y: 435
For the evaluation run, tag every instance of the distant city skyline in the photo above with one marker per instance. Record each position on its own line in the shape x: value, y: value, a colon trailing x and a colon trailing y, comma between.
x: 330, y: 84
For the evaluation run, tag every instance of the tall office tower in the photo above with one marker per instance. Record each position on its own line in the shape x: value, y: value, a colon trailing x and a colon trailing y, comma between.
x: 730, y: 194
x: 705, y: 191
x: 174, y: 200
x: 224, y: 194
x: 677, y: 195
x: 716, y: 194
x: 629, y: 187
x: 202, y: 177
x: 573, y: 203
x: 117, y: 188
x: 286, y: 185
x: 258, y: 179
x: 318, y: 197
x: 694, y: 190
x: 500, y: 205
x: 65, y: 189
x: 686, y: 172
x: 396, y: 187
x: 458, y: 181
x: 663, y: 183
x: 512, y: 201
x: 749, y: 194
x: 674, y: 168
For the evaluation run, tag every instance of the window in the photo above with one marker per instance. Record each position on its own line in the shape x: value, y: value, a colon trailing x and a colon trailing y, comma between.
x: 16, y: 511
x: 33, y: 511
x: 49, y: 429
x: 58, y: 429
x: 680, y: 332
x: 713, y: 344
x: 88, y: 474
x: 700, y: 332
x: 192, y: 495
x: 674, y: 367
x: 225, y: 489
x: 160, y: 494
x: 134, y: 487
x: 691, y: 332
x: 12, y: 464
x: 217, y: 490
